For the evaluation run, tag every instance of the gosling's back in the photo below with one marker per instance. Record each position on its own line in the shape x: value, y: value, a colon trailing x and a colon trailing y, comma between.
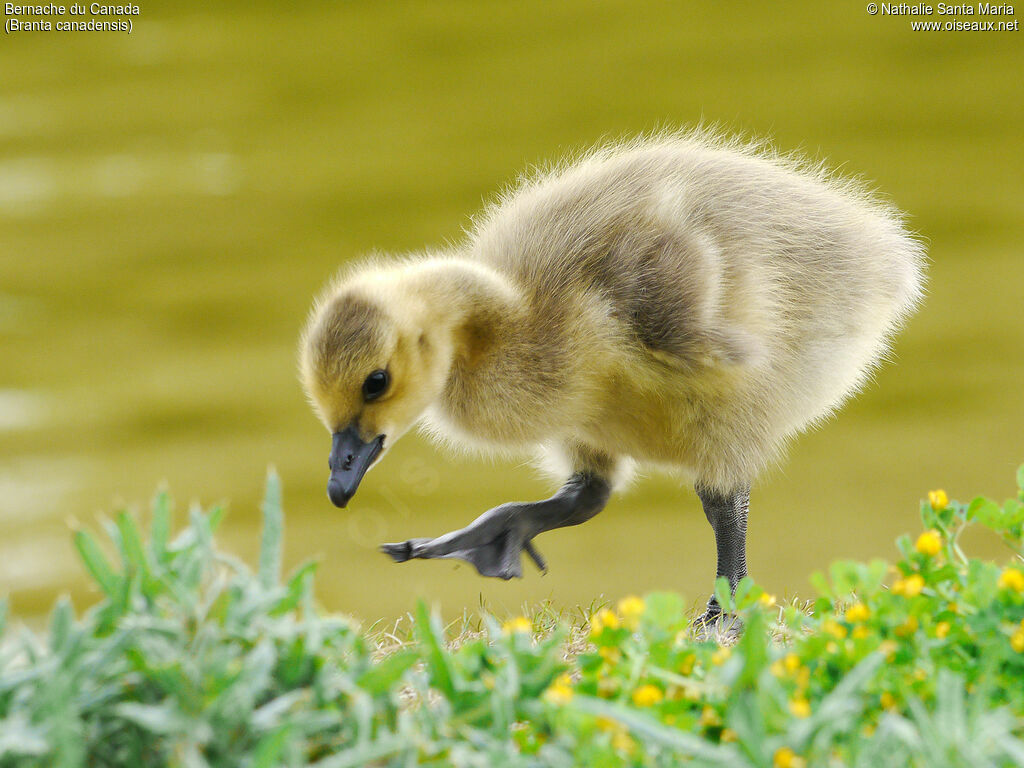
x: 767, y: 288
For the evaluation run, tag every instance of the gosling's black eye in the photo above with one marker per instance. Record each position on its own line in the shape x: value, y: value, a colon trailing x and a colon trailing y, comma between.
x: 376, y: 384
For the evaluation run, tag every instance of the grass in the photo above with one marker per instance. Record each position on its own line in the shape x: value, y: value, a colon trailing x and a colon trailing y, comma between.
x: 192, y: 659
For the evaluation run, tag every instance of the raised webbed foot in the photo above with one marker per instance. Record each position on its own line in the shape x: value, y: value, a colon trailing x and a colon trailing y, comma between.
x: 493, y: 543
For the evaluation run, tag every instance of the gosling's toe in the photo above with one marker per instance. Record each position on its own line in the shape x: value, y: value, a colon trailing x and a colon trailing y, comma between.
x: 401, y: 551
x: 494, y: 545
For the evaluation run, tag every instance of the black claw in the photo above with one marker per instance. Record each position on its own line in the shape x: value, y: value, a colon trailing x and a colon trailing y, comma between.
x: 535, y: 556
x: 398, y: 552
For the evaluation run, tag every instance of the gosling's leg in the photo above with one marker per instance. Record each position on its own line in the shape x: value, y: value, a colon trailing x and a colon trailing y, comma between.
x: 727, y: 514
x: 493, y: 542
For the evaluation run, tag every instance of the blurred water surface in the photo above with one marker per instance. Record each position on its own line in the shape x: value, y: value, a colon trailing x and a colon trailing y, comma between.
x: 171, y: 200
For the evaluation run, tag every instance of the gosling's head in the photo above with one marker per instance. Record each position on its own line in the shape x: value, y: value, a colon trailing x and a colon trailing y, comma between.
x: 371, y: 362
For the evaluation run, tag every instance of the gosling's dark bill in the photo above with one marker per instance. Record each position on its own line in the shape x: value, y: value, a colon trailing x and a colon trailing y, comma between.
x: 682, y: 301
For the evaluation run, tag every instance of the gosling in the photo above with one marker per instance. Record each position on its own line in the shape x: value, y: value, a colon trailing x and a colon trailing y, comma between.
x: 682, y: 301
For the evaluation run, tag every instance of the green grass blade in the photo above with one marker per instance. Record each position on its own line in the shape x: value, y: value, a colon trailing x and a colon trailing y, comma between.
x: 268, y: 751
x: 61, y: 621
x: 431, y: 636
x: 382, y: 675
x: 131, y: 543
x: 97, y: 564
x: 160, y: 532
x: 273, y: 533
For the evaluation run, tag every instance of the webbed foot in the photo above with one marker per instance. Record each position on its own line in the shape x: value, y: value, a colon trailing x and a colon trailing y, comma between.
x: 493, y: 544
x: 715, y: 625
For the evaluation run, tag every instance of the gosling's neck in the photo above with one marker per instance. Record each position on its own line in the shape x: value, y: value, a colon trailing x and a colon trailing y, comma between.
x: 469, y: 302
x: 496, y: 387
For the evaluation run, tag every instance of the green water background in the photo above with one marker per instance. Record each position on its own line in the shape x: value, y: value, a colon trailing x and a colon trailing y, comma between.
x: 171, y: 199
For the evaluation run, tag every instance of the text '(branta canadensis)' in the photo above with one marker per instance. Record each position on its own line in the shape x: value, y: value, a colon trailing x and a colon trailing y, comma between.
x: 679, y: 301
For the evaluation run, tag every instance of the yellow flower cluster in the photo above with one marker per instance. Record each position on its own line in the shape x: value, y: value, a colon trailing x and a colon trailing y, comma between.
x: 786, y: 758
x: 631, y: 608
x: 647, y: 695
x: 720, y: 656
x: 929, y: 543
x: 938, y: 499
x: 1011, y: 578
x: 629, y: 611
x: 686, y: 665
x: 800, y: 707
x: 602, y: 620
x: 790, y: 665
x: 910, y: 586
x: 709, y: 717
x: 560, y: 691
x: 518, y: 624
x: 621, y: 740
x: 908, y: 627
x: 1017, y: 638
x: 857, y: 612
x: 834, y: 628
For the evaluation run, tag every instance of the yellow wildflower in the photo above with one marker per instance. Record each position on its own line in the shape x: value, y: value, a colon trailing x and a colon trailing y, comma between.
x: 942, y: 629
x: 800, y: 707
x: 631, y: 608
x: 938, y: 499
x: 860, y: 632
x: 602, y: 620
x: 720, y: 656
x: 728, y: 734
x: 1017, y: 641
x: 622, y: 741
x: 929, y: 543
x: 791, y: 662
x: 831, y: 647
x: 518, y: 624
x: 777, y: 668
x: 686, y: 665
x: 786, y: 758
x: 835, y: 629
x: 803, y: 677
x: 910, y: 586
x: 908, y: 627
x: 560, y: 691
x: 857, y: 612
x: 887, y: 700
x: 768, y: 601
x: 647, y: 695
x: 709, y: 717
x: 1013, y: 579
